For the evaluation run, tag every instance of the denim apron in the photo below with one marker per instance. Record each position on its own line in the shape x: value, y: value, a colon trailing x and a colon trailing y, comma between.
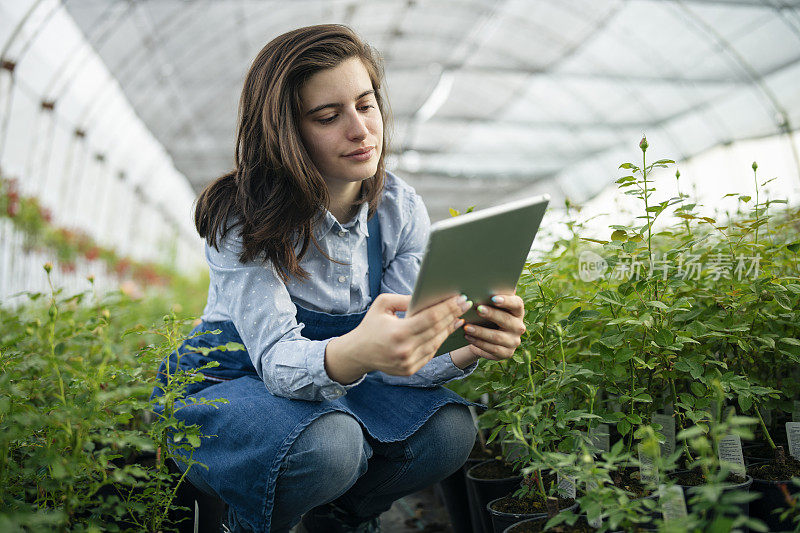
x: 250, y: 435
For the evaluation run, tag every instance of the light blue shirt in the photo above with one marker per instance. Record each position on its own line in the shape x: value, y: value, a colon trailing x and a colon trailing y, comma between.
x: 262, y: 307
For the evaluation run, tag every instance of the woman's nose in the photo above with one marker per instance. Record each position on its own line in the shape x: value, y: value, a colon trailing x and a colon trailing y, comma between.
x: 357, y: 126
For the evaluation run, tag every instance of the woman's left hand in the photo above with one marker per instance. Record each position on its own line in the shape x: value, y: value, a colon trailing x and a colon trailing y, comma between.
x: 507, y: 311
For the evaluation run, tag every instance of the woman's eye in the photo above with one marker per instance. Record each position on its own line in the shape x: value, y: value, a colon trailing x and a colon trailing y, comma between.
x: 366, y: 107
x: 326, y: 120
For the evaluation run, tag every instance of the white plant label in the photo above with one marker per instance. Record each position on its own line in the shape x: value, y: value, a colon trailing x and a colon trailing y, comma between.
x: 600, y: 437
x: 730, y: 451
x: 596, y: 522
x: 796, y: 411
x: 673, y: 502
x: 647, y: 468
x: 566, y: 486
x: 793, y: 436
x: 667, y: 423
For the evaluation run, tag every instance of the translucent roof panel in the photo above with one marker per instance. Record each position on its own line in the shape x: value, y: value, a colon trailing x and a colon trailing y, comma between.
x: 508, y: 96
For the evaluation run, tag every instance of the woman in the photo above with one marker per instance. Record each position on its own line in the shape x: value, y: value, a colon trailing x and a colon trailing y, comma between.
x: 335, y: 409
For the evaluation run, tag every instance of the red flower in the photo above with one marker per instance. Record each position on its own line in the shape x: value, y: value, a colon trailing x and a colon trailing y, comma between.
x: 122, y: 266
x: 92, y: 253
x: 12, y: 208
x: 67, y: 267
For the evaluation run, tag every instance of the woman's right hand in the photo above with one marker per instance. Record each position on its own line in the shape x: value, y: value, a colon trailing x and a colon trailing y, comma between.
x: 393, y: 345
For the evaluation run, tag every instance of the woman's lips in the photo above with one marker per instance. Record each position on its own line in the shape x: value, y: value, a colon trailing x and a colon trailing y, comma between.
x: 361, y: 155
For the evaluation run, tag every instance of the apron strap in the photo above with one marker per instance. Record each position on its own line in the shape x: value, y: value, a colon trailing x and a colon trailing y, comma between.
x: 374, y: 251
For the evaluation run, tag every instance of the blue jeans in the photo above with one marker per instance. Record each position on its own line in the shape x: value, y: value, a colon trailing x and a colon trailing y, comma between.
x: 333, y: 459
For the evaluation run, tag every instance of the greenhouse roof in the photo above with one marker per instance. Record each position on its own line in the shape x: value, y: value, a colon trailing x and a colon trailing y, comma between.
x: 489, y: 98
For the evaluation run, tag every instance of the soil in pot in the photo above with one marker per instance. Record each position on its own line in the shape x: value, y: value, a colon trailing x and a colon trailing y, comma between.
x: 507, y: 511
x: 754, y: 453
x: 488, y: 481
x: 481, y: 453
x: 629, y: 478
x: 689, y: 479
x: 767, y: 480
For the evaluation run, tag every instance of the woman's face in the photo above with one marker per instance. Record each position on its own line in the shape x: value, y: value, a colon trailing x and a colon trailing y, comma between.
x: 341, y: 125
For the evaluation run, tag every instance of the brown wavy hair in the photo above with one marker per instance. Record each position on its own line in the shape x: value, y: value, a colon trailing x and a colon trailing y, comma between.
x: 275, y: 194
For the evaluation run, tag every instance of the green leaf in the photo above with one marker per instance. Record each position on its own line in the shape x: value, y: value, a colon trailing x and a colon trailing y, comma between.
x: 789, y: 340
x: 697, y: 389
x: 619, y: 235
x: 594, y: 240
x: 194, y: 440
x: 624, y: 427
x: 657, y: 304
x: 745, y: 402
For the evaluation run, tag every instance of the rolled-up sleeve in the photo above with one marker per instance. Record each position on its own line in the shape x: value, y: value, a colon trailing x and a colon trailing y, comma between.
x: 399, y: 277
x: 261, y: 308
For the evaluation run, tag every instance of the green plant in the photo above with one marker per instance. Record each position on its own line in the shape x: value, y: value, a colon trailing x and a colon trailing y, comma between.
x: 77, y: 449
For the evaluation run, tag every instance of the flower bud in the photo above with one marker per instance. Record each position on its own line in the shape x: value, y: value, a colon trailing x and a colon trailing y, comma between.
x: 677, y: 174
x: 755, y: 166
x: 643, y: 143
x: 48, y: 267
x: 90, y: 278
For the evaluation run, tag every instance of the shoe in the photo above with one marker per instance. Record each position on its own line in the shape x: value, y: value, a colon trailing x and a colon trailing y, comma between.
x: 330, y: 518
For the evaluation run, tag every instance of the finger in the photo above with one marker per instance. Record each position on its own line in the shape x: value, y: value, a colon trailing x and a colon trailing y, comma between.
x: 483, y: 353
x: 392, y: 303
x: 432, y: 339
x: 507, y: 321
x: 492, y: 350
x: 510, y: 302
x: 496, y: 337
x: 429, y: 322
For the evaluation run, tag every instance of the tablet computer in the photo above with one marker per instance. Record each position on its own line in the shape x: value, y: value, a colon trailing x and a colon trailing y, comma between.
x: 478, y: 254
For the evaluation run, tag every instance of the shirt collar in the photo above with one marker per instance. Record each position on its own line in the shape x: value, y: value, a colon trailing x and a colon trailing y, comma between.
x: 328, y: 222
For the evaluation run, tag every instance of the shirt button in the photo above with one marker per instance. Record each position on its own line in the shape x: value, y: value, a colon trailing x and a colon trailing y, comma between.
x: 336, y: 394
x: 342, y: 233
x: 342, y: 279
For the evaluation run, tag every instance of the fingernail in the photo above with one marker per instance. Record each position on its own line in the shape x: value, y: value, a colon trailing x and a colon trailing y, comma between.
x: 458, y: 323
x: 481, y: 309
x: 462, y: 298
x: 498, y: 299
x: 466, y: 305
x: 469, y: 329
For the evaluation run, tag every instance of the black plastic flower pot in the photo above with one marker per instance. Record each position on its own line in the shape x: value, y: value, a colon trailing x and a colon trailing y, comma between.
x: 472, y: 499
x: 772, y: 498
x: 453, y: 491
x: 501, y: 521
x: 486, y: 490
x: 537, y: 524
x: 743, y: 508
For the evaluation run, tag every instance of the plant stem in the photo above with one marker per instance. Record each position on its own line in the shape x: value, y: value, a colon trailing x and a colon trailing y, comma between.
x: 678, y: 416
x: 755, y: 180
x: 647, y: 214
x: 757, y: 409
